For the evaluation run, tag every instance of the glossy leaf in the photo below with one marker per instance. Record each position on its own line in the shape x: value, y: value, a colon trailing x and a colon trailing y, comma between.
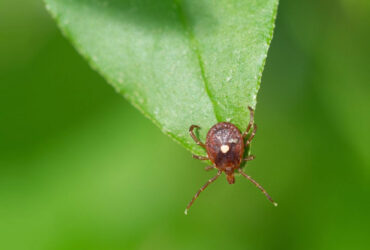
x: 179, y: 62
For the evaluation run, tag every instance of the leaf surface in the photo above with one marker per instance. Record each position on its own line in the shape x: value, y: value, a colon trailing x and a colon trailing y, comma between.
x: 179, y: 62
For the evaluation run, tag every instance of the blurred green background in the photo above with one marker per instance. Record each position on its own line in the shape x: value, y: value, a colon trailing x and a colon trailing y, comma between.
x: 80, y: 168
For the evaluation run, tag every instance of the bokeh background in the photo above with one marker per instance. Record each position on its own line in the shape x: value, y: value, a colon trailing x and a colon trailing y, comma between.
x: 80, y: 168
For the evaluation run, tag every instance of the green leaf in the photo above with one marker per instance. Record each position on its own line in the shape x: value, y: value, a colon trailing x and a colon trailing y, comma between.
x: 179, y: 62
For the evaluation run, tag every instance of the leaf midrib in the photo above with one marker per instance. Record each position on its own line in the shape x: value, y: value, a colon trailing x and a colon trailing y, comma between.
x: 194, y: 46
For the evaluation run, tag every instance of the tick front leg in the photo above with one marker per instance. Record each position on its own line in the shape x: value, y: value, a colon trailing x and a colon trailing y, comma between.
x: 252, y: 135
x: 250, y: 125
x: 251, y: 121
x: 249, y: 158
x: 199, y: 157
x: 197, y: 141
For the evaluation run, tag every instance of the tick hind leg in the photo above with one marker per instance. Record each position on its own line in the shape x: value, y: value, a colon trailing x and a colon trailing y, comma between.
x: 201, y: 189
x: 259, y: 187
x: 250, y: 125
x: 197, y: 141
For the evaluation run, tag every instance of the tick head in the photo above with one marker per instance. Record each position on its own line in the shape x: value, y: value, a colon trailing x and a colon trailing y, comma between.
x: 230, y: 178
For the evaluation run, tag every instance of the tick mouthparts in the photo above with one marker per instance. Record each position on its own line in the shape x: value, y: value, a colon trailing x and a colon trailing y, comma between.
x: 230, y: 178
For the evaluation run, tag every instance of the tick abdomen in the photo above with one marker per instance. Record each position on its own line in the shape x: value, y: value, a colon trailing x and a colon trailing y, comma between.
x: 225, y: 146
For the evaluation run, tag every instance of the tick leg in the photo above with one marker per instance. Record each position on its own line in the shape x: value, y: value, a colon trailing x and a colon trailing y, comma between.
x: 258, y: 186
x: 202, y: 158
x: 249, y: 158
x: 194, y: 137
x: 209, y: 168
x: 201, y: 189
x: 251, y: 121
x: 252, y: 135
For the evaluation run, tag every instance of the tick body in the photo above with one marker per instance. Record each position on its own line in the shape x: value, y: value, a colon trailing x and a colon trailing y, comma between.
x: 225, y: 146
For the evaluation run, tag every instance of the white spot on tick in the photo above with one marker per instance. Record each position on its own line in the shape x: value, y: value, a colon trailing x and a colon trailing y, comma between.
x: 225, y: 149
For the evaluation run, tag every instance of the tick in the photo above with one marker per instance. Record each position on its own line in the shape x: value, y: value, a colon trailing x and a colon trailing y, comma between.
x: 225, y: 146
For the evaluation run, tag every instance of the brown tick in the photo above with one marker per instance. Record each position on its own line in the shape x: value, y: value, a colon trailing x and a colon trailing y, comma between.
x: 225, y: 149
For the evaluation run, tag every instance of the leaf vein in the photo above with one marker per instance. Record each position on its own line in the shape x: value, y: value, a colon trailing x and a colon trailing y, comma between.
x: 195, y: 48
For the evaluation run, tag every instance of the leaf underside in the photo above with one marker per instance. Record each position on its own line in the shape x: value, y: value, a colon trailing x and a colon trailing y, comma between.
x: 179, y: 62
